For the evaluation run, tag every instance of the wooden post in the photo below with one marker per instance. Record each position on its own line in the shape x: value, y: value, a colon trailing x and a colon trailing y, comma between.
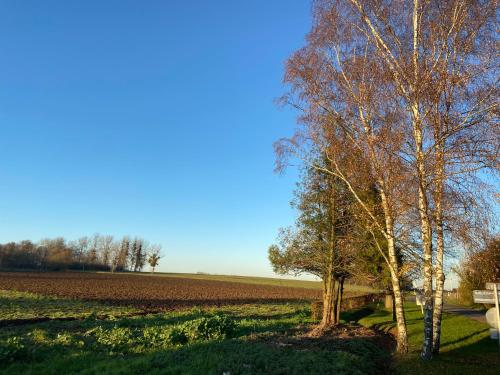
x: 495, y: 290
x: 388, y: 301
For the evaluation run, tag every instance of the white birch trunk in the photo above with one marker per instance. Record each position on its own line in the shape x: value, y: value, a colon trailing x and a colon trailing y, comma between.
x: 402, y: 336
x: 423, y: 206
x: 440, y: 278
x: 426, y: 236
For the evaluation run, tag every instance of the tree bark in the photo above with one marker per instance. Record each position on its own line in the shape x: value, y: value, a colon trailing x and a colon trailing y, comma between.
x: 339, y: 300
x: 440, y: 278
x: 393, y: 308
x: 423, y: 207
x: 426, y: 236
x: 402, y: 336
x: 438, y: 299
x: 331, y: 297
x: 328, y: 301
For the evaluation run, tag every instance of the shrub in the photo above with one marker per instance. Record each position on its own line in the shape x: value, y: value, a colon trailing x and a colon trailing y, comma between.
x: 159, y: 337
x: 153, y: 336
x: 177, y: 336
x: 215, y: 327
x: 123, y: 339
x: 116, y: 339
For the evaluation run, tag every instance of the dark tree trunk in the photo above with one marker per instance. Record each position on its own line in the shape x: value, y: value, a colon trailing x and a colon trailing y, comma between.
x: 339, y: 300
x: 329, y: 296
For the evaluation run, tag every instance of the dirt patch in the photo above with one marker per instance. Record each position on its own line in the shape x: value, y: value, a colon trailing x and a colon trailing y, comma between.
x: 349, y: 331
x: 367, y: 343
x: 304, y: 337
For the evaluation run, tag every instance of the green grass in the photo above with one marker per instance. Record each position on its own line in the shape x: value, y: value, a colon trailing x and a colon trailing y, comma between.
x: 351, y: 288
x: 264, y: 340
x: 465, y: 344
x: 457, y: 302
x: 22, y: 305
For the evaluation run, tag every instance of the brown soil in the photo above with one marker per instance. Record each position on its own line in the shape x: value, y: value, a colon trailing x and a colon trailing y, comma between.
x: 341, y: 337
x: 149, y: 292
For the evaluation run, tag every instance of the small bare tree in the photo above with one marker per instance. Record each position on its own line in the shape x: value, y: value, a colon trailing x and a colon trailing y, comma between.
x: 154, y: 256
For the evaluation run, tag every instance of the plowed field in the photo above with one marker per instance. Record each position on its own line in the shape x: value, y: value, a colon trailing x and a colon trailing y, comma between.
x: 149, y: 292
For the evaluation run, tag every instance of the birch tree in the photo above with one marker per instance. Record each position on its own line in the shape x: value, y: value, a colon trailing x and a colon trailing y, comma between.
x: 413, y: 86
x: 461, y: 106
x: 343, y: 90
x: 442, y: 58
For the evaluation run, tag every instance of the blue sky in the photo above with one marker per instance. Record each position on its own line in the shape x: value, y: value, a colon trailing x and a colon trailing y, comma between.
x: 150, y: 118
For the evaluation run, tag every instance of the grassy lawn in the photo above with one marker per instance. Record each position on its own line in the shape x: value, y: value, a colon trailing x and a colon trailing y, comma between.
x: 245, y: 339
x: 354, y: 289
x: 465, y: 344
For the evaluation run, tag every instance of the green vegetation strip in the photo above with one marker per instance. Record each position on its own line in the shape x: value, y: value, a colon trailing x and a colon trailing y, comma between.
x: 466, y: 347
x: 247, y: 339
x: 24, y: 306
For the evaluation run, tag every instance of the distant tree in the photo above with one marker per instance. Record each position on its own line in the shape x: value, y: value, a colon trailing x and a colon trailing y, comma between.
x: 27, y: 255
x: 58, y: 254
x: 115, y: 256
x: 19, y: 255
x: 154, y: 256
x: 137, y: 256
x: 94, y: 248
x: 13, y: 255
x: 479, y: 268
x: 124, y: 254
x: 82, y: 247
x: 133, y: 255
x: 105, y: 248
x: 141, y: 254
x: 95, y: 253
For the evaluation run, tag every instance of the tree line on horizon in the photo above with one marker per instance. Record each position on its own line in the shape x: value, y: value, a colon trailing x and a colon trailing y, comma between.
x: 94, y: 253
x: 398, y: 133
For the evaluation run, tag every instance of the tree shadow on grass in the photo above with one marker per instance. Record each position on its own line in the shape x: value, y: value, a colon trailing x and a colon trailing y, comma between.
x: 268, y: 354
x: 465, y: 346
x: 356, y: 315
x: 479, y: 357
x: 477, y: 334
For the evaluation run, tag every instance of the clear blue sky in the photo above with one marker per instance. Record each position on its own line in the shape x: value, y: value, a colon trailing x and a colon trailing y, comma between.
x: 150, y: 118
